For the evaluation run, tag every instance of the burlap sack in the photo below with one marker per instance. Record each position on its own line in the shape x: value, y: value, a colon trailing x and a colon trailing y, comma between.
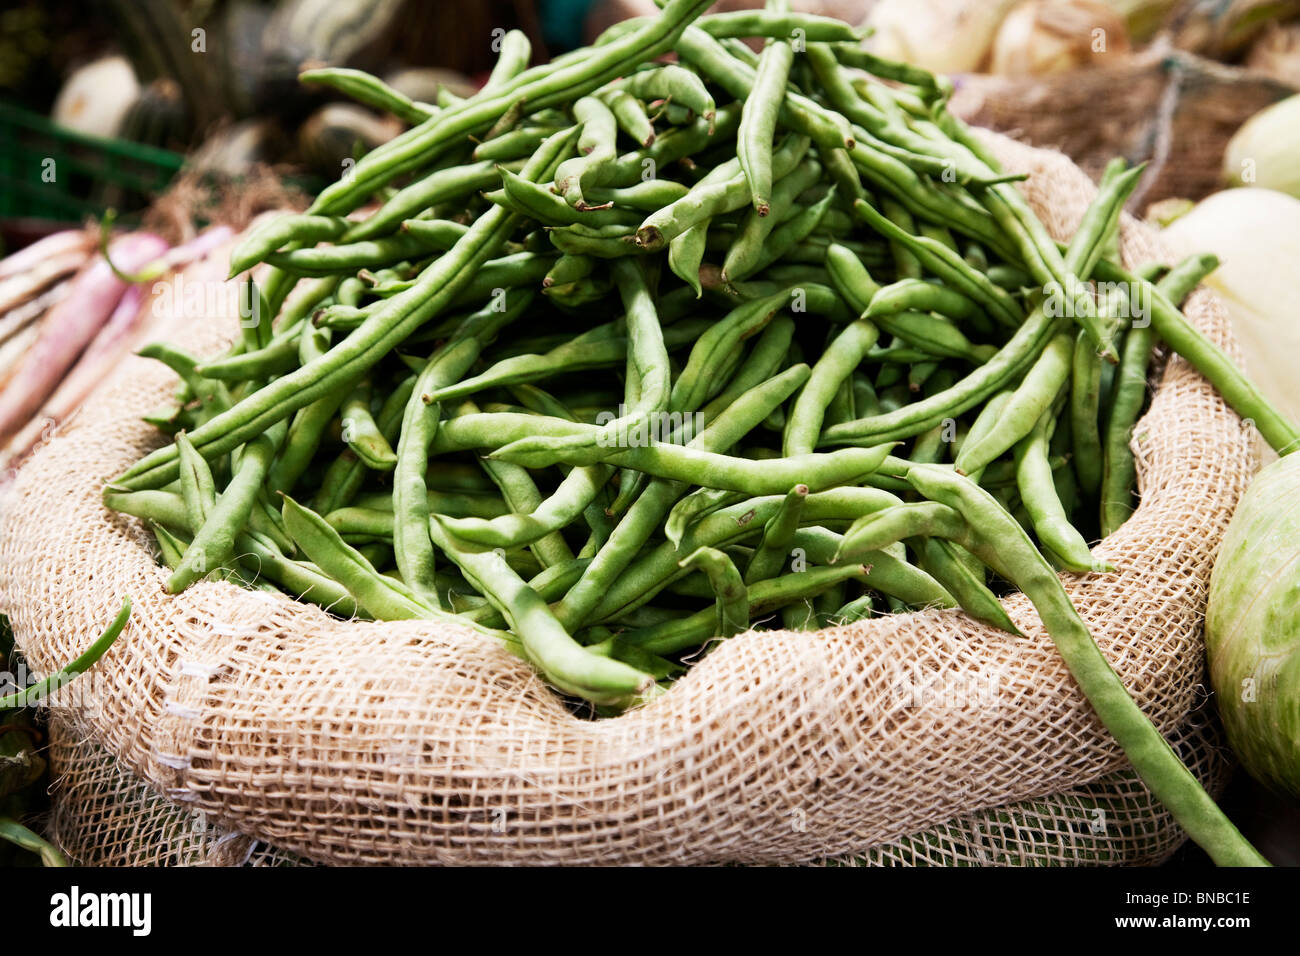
x: 411, y: 742
x: 104, y: 815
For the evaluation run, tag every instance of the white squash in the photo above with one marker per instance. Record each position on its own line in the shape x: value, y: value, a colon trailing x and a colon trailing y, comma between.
x: 1055, y: 36
x: 1256, y: 235
x: 943, y: 36
x: 1266, y: 150
x: 95, y: 98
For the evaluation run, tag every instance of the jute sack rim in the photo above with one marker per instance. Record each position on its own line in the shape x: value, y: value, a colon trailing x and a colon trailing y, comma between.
x: 409, y: 742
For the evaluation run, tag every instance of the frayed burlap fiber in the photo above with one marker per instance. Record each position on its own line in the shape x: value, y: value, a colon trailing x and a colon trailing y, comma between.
x: 412, y: 742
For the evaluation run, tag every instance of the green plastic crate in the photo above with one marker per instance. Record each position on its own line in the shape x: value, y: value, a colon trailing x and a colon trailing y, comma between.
x: 90, y: 173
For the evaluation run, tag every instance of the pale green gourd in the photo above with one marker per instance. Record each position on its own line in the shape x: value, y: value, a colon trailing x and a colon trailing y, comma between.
x: 1252, y: 628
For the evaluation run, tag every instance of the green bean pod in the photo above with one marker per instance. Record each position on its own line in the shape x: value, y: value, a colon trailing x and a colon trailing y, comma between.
x: 754, y: 142
x: 214, y: 542
x: 914, y: 295
x: 308, y: 424
x: 563, y: 661
x: 778, y: 538
x: 644, y: 196
x: 845, y: 353
x: 725, y: 189
x: 1085, y: 411
x: 943, y: 560
x: 746, y: 252
x: 79, y: 665
x: 362, y: 433
x: 443, y: 185
x: 645, y: 516
x: 797, y: 112
x: 593, y: 166
x: 539, y: 87
x: 949, y: 266
x: 516, y: 50
x: 517, y: 144
x: 198, y: 489
x: 731, y: 610
x: 392, y: 322
x: 1027, y: 405
x: 630, y: 114
x: 982, y: 527
x: 369, y: 91
x: 279, y: 232
x: 686, y: 254
x: 382, y: 597
x: 639, y: 580
x: 1242, y: 396
x: 1039, y: 495
x: 672, y: 83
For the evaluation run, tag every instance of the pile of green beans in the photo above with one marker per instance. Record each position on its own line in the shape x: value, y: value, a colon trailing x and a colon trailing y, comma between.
x: 627, y: 357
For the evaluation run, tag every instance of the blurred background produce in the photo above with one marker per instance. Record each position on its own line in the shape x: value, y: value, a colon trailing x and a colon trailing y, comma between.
x: 187, y: 117
x: 1160, y: 81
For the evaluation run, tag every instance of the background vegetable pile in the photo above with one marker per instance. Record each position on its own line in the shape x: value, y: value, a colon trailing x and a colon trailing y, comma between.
x: 67, y: 317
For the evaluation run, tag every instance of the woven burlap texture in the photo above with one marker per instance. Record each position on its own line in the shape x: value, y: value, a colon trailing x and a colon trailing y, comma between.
x: 104, y: 815
x: 101, y: 814
x: 413, y: 742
